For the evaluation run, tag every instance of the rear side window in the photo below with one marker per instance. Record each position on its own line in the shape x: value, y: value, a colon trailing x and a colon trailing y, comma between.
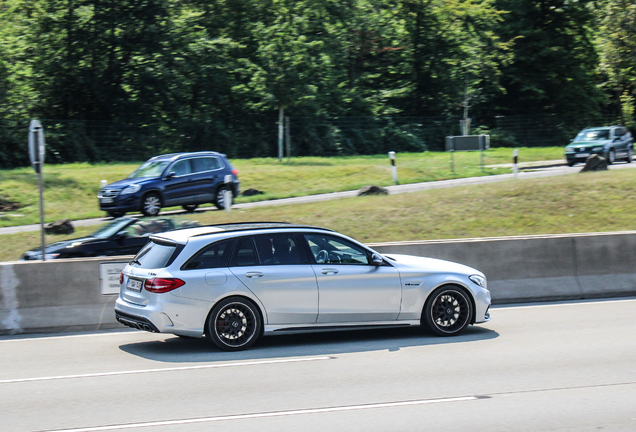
x: 154, y: 255
x: 205, y: 164
x: 244, y: 253
x: 212, y: 256
x: 276, y: 249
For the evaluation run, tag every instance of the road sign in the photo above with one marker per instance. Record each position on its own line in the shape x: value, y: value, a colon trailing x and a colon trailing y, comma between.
x: 36, y: 144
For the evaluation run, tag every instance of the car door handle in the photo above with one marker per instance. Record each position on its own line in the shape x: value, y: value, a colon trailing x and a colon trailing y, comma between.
x: 254, y: 274
x: 329, y: 271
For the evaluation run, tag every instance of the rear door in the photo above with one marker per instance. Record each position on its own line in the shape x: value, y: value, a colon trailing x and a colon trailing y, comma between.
x: 278, y: 272
x: 351, y: 288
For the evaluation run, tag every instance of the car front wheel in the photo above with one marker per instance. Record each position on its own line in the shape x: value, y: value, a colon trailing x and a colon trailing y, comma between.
x: 447, y: 311
x: 234, y: 324
x: 611, y: 157
x: 151, y: 205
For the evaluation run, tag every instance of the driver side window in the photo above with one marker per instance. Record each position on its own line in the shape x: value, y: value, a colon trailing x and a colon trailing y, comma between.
x: 333, y: 250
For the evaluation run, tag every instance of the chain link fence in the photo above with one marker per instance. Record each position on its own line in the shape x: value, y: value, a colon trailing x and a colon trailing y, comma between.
x: 105, y: 141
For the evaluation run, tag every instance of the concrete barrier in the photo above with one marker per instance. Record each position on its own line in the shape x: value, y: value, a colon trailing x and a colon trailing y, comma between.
x: 68, y: 295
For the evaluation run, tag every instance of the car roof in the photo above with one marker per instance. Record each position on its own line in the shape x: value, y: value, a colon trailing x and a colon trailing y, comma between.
x: 172, y: 156
x: 183, y: 235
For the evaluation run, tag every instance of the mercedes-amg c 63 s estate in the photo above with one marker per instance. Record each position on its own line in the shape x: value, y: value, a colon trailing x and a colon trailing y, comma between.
x: 234, y: 283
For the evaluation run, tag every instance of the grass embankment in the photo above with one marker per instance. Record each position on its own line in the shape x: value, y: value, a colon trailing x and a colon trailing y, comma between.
x: 590, y: 202
x: 70, y: 190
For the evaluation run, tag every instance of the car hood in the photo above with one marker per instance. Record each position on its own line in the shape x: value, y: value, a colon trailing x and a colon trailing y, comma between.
x: 598, y: 143
x: 127, y: 182
x: 64, y: 244
x: 430, y: 265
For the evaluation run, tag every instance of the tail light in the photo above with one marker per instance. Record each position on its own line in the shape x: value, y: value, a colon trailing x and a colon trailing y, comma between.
x: 235, y: 172
x: 162, y: 285
x: 121, y: 278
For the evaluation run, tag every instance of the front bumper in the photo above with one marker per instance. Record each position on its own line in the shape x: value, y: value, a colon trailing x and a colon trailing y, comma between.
x: 125, y: 203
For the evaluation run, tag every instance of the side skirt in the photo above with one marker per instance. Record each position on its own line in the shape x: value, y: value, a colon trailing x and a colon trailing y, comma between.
x: 272, y: 329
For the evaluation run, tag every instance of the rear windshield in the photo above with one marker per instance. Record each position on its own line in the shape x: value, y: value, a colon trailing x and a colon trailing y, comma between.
x: 154, y: 256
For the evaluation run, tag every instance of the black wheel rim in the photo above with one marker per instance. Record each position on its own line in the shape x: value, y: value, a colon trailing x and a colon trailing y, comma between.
x: 450, y: 311
x: 235, y: 324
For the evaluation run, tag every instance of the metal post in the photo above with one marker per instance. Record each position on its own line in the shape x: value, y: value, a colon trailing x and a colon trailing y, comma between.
x: 227, y: 194
x: 452, y: 160
x: 287, y: 138
x: 41, y: 186
x: 515, y: 160
x: 280, y: 132
x: 393, y: 167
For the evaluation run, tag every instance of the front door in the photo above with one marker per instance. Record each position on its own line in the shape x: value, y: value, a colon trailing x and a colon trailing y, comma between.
x: 351, y: 288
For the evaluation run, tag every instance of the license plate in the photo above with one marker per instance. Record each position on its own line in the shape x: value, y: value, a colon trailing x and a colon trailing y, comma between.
x: 106, y: 200
x: 134, y: 285
x: 582, y: 155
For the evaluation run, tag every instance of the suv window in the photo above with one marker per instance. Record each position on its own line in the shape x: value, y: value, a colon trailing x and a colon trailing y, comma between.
x: 182, y: 167
x: 205, y: 164
x: 212, y: 256
x: 277, y: 249
x: 332, y: 250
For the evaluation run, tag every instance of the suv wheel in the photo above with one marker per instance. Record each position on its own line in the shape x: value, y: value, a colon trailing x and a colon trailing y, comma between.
x: 630, y: 155
x: 219, y: 198
x: 151, y: 205
x: 611, y: 157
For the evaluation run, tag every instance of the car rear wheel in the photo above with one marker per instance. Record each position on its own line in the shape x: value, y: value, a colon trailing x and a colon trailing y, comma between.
x: 630, y: 155
x: 190, y: 207
x: 151, y: 205
x: 447, y: 311
x: 234, y: 324
x: 219, y: 198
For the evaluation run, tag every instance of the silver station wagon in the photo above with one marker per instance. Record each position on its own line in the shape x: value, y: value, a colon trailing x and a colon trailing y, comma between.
x: 234, y: 283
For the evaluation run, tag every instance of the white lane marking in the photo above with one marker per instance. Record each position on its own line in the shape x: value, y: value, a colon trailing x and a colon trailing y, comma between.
x: 270, y: 414
x: 565, y: 303
x: 141, y: 371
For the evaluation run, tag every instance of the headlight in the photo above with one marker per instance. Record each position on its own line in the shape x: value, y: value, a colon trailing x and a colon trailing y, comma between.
x: 131, y: 189
x: 598, y: 148
x: 478, y: 280
x: 50, y: 256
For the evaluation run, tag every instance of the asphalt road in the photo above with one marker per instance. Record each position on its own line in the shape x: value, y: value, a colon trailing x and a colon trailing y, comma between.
x: 550, y: 169
x: 551, y: 367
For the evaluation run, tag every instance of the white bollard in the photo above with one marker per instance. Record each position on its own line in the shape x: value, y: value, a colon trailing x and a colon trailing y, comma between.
x: 103, y: 183
x: 393, y: 167
x: 227, y: 195
x: 515, y: 156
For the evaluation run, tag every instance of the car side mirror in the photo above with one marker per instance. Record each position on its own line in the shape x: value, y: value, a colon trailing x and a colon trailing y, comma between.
x: 170, y: 175
x: 376, y: 260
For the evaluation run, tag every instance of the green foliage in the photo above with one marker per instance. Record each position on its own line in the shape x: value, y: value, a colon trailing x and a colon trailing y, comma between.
x: 132, y: 78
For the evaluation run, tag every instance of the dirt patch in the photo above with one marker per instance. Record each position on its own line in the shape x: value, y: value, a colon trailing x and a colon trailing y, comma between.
x: 6, y: 205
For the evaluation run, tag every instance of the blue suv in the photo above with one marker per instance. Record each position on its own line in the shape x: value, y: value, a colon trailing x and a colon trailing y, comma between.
x: 185, y: 179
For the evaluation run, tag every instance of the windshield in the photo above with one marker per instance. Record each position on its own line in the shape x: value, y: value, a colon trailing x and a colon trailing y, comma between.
x: 112, y: 228
x: 150, y: 169
x: 593, y: 135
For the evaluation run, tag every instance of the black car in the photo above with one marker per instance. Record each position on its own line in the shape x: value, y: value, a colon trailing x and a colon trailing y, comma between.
x: 176, y: 179
x: 123, y: 236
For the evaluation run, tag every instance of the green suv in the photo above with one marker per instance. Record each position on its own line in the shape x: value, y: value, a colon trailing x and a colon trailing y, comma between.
x: 610, y: 142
